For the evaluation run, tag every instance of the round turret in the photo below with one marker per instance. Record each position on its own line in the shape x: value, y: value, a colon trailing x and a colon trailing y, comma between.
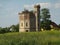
x: 36, y: 6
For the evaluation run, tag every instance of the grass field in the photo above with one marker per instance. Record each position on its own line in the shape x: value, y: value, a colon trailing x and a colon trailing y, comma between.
x: 31, y: 38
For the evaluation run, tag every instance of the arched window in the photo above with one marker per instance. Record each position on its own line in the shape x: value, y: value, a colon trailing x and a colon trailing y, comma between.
x: 22, y: 24
x: 26, y: 24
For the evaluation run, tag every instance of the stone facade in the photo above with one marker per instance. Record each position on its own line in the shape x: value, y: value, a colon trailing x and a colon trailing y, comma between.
x: 29, y: 21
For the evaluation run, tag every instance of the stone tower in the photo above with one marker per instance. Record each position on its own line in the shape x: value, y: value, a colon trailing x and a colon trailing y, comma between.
x: 24, y: 21
x: 37, y: 14
x: 30, y: 20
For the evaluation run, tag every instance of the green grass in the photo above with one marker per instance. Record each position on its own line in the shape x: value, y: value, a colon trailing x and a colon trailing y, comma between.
x: 31, y: 38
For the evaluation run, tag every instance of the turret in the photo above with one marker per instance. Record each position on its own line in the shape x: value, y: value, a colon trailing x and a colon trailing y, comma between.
x: 37, y: 14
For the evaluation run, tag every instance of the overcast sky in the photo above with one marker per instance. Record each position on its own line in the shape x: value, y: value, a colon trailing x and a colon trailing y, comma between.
x: 9, y: 10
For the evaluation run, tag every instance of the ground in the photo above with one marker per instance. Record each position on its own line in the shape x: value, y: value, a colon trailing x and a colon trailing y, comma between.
x: 31, y: 38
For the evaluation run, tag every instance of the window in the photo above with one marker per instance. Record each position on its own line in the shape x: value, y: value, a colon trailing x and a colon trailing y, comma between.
x: 26, y: 30
x: 21, y: 24
x: 26, y: 24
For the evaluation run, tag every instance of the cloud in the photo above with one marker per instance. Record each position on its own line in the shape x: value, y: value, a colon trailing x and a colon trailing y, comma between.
x: 43, y: 5
x: 0, y: 5
x: 57, y: 5
x: 28, y: 6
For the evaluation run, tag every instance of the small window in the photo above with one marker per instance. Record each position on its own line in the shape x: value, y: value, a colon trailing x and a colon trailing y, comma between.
x: 21, y: 24
x: 26, y: 24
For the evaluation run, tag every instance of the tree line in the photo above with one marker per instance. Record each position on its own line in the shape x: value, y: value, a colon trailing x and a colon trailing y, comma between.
x: 12, y: 28
x: 45, y: 22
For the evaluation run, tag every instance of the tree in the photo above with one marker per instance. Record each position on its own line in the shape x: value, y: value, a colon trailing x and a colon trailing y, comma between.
x: 4, y: 30
x: 45, y: 19
x: 45, y: 14
x: 14, y: 28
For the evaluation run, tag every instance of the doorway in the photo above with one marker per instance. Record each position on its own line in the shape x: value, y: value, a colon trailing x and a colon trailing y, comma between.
x: 26, y: 30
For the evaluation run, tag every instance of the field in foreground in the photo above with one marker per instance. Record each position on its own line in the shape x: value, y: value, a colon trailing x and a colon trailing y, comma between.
x: 31, y: 38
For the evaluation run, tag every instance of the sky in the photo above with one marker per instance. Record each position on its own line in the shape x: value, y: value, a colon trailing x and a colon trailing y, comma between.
x: 9, y: 10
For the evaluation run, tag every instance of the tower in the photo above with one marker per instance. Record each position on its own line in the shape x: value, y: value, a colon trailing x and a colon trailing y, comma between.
x: 24, y: 23
x: 29, y: 21
x: 37, y: 14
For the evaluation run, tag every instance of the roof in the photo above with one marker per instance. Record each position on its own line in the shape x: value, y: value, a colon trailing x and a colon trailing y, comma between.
x: 24, y: 12
x: 54, y: 24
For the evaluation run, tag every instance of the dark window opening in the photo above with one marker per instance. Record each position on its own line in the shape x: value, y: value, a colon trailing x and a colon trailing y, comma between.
x: 21, y: 24
x: 26, y: 30
x: 26, y: 24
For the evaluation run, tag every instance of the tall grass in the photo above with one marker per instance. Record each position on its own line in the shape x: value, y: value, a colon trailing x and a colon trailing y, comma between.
x: 31, y: 38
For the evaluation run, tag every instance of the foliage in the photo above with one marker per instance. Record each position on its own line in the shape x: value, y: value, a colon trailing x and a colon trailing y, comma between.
x: 4, y: 30
x: 59, y: 25
x: 15, y: 28
x: 31, y: 38
x: 45, y: 19
x: 45, y: 14
x: 46, y: 25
